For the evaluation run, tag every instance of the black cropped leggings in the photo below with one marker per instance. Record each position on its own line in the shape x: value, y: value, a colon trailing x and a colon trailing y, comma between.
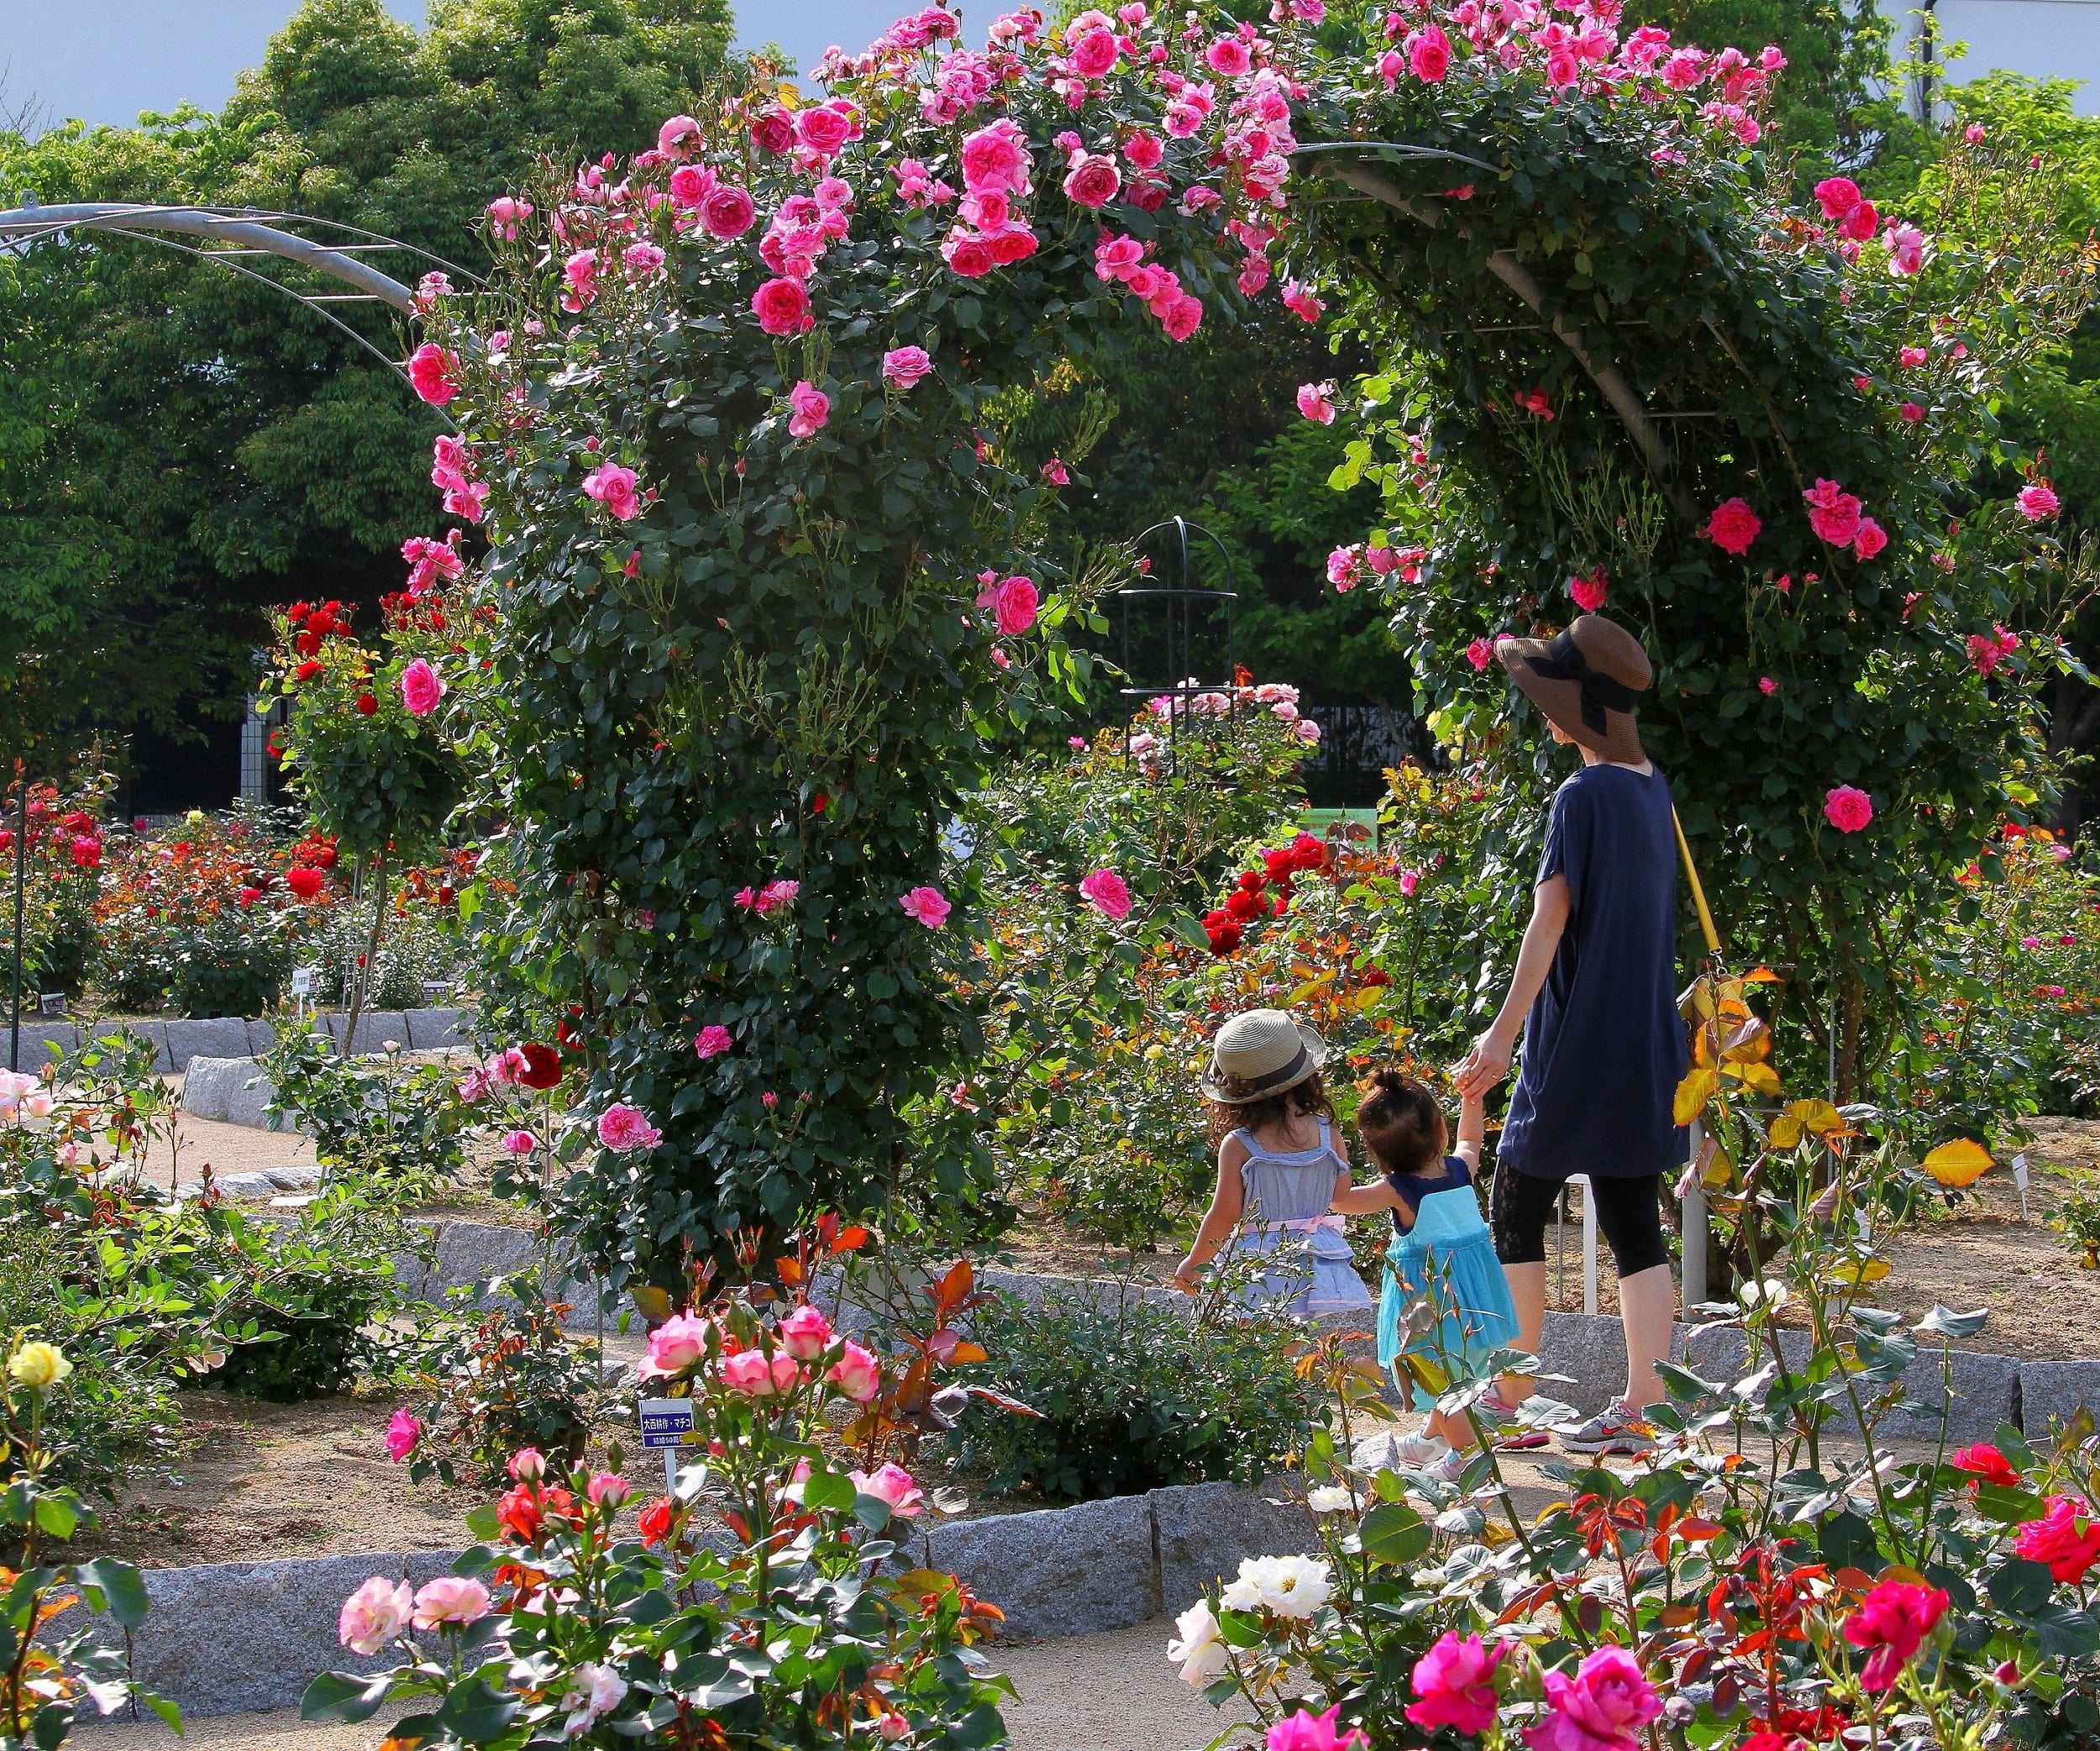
x: 1630, y: 1211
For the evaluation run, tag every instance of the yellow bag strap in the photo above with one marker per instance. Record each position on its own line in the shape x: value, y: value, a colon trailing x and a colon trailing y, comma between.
x: 1698, y: 893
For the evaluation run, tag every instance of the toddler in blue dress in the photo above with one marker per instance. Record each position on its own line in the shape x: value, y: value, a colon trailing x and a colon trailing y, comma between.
x: 1279, y: 1166
x: 1441, y: 1249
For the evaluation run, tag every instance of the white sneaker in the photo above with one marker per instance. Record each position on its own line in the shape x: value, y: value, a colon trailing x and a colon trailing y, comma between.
x: 1447, y: 1469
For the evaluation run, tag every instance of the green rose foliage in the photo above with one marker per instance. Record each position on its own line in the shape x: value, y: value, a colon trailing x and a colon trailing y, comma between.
x: 773, y: 665
x: 1604, y: 322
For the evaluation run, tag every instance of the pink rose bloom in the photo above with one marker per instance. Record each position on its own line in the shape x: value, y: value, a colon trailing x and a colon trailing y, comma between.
x: 373, y: 1615
x: 1117, y: 258
x: 1911, y: 357
x: 690, y: 186
x: 433, y: 373
x: 776, y: 895
x: 1588, y: 592
x: 1429, y: 54
x: 1906, y: 247
x: 614, y: 487
x: 623, y: 1130
x: 402, y: 1431
x: 713, y: 1041
x: 1766, y: 685
x: 750, y: 1372
x: 1182, y: 317
x: 995, y: 159
x: 823, y: 128
x: 1307, y: 1731
x: 1861, y: 222
x: 450, y: 1599
x: 1833, y: 513
x: 806, y: 1334
x: 641, y: 259
x: 1409, y: 881
x: 894, y: 1485
x: 1894, y: 1620
x: 1301, y: 303
x: 1869, y: 538
x: 1306, y: 731
x: 783, y: 307
x: 1480, y: 653
x: 420, y: 688
x: 1013, y: 604
x: 1838, y: 194
x: 607, y: 1489
x: 2037, y: 502
x: 2068, y: 1536
x: 1092, y: 53
x: 904, y: 367
x: 2030, y: 942
x: 676, y: 134
x: 519, y: 1142
x: 1847, y: 808
x: 1315, y: 401
x: 728, y: 212
x: 1733, y: 526
x: 506, y: 215
x: 1109, y: 893
x: 1603, y: 1708
x: 968, y: 255
x: 1228, y: 55
x: 928, y: 905
x: 1456, y: 1681
x: 812, y: 407
x: 856, y: 1373
x: 676, y: 1344
x: 1910, y: 414
x: 1093, y: 180
x: 1056, y: 472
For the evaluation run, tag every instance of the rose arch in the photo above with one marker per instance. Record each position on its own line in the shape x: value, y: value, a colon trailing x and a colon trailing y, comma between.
x: 762, y: 588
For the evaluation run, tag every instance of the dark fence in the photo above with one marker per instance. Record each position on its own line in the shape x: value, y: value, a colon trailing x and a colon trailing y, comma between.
x: 1358, y: 740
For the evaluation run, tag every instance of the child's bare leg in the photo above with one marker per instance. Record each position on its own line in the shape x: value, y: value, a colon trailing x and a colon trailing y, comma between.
x: 1648, y: 1308
x: 1527, y: 1290
x: 1446, y: 1427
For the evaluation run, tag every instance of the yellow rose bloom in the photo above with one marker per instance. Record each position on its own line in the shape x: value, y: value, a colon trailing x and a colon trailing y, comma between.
x: 38, y: 1364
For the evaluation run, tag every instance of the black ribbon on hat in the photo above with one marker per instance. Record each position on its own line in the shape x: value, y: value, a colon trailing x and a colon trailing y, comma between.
x: 1564, y: 661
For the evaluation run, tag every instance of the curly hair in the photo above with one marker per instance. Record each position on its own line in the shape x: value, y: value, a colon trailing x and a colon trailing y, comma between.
x: 1400, y: 1121
x: 1303, y: 1100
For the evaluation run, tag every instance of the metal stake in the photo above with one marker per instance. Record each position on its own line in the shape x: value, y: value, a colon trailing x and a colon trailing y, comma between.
x: 21, y: 871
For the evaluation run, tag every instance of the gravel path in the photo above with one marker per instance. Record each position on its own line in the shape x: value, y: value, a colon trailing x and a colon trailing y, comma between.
x: 1111, y: 1692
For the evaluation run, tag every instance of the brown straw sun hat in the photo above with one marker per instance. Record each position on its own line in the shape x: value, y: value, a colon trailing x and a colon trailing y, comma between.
x: 1259, y: 1053
x: 1588, y: 681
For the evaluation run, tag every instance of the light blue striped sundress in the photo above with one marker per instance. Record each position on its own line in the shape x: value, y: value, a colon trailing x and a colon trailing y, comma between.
x: 1286, y: 1197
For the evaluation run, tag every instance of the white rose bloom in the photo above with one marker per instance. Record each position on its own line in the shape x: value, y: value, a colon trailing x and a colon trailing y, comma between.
x: 1288, y: 1586
x: 1198, y: 1648
x: 1330, y: 1499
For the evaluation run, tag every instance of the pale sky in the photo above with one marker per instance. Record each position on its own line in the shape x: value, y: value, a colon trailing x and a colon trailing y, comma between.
x: 105, y: 61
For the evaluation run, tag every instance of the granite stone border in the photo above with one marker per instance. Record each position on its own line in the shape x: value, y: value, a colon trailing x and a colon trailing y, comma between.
x: 177, y: 1044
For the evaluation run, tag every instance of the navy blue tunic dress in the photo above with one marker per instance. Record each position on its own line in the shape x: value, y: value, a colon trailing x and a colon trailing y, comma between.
x: 1603, y: 1046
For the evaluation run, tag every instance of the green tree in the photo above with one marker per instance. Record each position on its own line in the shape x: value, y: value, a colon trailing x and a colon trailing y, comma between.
x: 181, y: 447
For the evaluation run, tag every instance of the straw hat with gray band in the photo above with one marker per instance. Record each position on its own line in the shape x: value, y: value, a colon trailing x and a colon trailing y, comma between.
x: 1260, y: 1054
x: 1588, y: 681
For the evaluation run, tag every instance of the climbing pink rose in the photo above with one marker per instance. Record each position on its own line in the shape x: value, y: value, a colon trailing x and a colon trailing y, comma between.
x: 1906, y: 247
x: 1602, y: 1707
x: 641, y: 259
x: 1093, y: 180
x: 401, y: 1430
x: 676, y: 134
x: 1589, y: 593
x: 433, y: 373
x: 894, y: 1485
x: 856, y: 1373
x: 1838, y: 194
x: 713, y: 1041
x: 823, y: 128
x: 1861, y: 222
x: 623, y: 1130
x: 812, y: 407
x: 1894, y: 1620
x: 1109, y: 893
x: 420, y: 688
x: 783, y: 307
x: 904, y: 366
x: 1766, y: 685
x: 1910, y: 414
x: 1733, y: 526
x: 1117, y: 258
x: 1480, y: 653
x: 1833, y: 513
x: 1869, y: 538
x: 1307, y: 1731
x: 1228, y: 55
x: 613, y: 486
x: 727, y: 212
x: 1301, y: 303
x: 1182, y: 317
x: 1847, y: 809
x: 1315, y: 401
x: 1429, y: 54
x: 1409, y: 881
x: 1014, y: 603
x: 506, y: 215
x: 806, y: 1334
x: 1456, y: 1681
x: 1093, y: 53
x: 928, y: 905
x: 2037, y: 502
x: 373, y: 1615
x: 676, y: 1344
x: 1911, y: 357
x: 996, y: 160
x: 450, y: 1599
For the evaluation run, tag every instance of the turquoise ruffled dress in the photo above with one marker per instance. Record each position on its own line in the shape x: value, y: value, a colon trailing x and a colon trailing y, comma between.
x: 1286, y: 1197
x: 1448, y: 1254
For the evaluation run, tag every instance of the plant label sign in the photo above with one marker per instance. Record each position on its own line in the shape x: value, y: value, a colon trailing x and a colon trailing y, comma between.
x: 2019, y: 1180
x: 667, y: 1421
x: 303, y: 981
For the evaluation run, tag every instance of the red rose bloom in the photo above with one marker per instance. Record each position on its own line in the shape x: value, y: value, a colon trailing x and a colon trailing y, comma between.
x: 519, y: 1514
x: 656, y: 1521
x: 307, y: 670
x: 543, y: 1066
x: 1985, y: 1462
x: 1242, y: 905
x: 304, y: 882
x: 366, y: 705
